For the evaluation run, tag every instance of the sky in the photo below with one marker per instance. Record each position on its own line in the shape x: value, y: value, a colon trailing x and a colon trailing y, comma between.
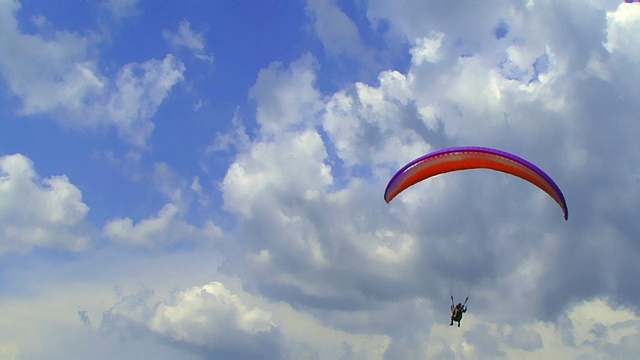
x: 204, y: 180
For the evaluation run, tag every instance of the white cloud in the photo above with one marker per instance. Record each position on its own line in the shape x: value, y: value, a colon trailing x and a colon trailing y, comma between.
x: 314, y: 234
x: 121, y: 9
x: 236, y: 139
x: 170, y: 226
x: 207, y: 320
x: 187, y: 38
x: 597, y: 329
x: 39, y: 213
x: 202, y: 313
x: 260, y: 175
x: 139, y: 91
x: 300, y: 232
x: 370, y: 125
x: 623, y: 26
x: 169, y: 183
x: 525, y: 92
x: 525, y: 339
x: 338, y: 34
x: 59, y: 76
x: 286, y: 97
x: 196, y: 187
x: 426, y: 49
x: 60, y: 63
x: 166, y: 228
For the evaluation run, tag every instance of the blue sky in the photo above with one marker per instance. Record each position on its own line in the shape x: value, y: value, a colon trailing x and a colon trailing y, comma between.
x: 205, y: 179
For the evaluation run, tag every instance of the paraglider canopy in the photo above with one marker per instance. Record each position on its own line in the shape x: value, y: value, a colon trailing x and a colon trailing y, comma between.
x: 472, y: 157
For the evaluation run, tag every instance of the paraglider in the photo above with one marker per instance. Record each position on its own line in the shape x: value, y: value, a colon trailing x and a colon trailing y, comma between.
x: 465, y: 158
x: 472, y: 157
x: 457, y: 311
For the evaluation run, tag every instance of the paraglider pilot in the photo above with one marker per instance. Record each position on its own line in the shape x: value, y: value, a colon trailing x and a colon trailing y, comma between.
x: 457, y: 311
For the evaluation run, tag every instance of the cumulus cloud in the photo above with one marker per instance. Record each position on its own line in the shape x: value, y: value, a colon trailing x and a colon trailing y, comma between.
x: 622, y: 26
x: 519, y: 91
x: 302, y: 230
x: 139, y: 91
x: 604, y: 329
x: 167, y: 228
x: 208, y: 320
x: 286, y: 97
x: 376, y: 125
x: 59, y: 76
x: 170, y: 226
x: 314, y: 234
x: 426, y: 49
x: 337, y: 32
x: 485, y: 344
x: 251, y: 180
x: 524, y: 339
x: 223, y: 313
x: 226, y: 141
x: 39, y: 213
